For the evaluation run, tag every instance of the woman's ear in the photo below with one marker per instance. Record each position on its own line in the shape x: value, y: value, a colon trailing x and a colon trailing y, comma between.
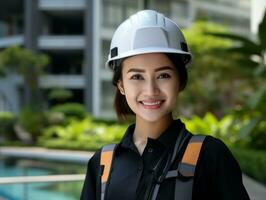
x: 121, y: 87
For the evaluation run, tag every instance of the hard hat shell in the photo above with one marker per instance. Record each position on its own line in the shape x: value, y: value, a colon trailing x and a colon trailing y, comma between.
x: 147, y: 31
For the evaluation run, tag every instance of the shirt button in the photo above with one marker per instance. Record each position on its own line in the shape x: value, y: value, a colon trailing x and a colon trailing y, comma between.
x: 140, y: 168
x: 150, y: 150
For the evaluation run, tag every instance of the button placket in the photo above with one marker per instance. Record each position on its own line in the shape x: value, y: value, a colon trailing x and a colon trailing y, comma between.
x: 150, y: 150
x: 140, y: 167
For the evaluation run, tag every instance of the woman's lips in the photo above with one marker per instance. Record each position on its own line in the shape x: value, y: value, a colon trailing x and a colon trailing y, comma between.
x: 154, y: 104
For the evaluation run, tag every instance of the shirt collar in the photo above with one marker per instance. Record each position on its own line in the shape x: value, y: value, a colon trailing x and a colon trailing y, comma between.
x: 167, y: 138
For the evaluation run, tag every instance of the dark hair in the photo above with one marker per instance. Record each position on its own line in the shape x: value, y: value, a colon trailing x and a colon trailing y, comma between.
x: 120, y: 103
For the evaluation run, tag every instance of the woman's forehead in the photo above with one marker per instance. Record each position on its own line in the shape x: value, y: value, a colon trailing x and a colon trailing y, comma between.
x: 148, y: 61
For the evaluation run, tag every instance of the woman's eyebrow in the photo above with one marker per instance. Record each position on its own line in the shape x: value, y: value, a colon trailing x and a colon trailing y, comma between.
x: 136, y: 70
x: 156, y: 70
x: 164, y: 68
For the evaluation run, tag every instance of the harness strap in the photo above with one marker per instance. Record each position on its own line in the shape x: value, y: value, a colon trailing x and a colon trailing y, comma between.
x: 178, y: 144
x: 106, y: 161
x: 185, y: 173
x: 186, y: 168
x: 183, y: 189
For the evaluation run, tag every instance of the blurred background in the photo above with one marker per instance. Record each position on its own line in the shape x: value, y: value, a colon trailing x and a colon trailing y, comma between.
x: 56, y: 93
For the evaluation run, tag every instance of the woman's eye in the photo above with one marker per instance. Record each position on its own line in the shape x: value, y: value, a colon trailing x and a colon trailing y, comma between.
x: 164, y: 76
x: 136, y: 77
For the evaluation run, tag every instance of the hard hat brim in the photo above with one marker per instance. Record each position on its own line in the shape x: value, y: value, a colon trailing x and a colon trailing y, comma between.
x: 187, y: 55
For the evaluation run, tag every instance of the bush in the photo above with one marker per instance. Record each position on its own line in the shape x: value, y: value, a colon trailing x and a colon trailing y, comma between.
x: 60, y: 94
x: 225, y: 129
x: 55, y: 118
x: 85, y: 134
x: 252, y: 162
x: 76, y: 110
x: 32, y: 121
x: 7, y: 122
x: 258, y: 137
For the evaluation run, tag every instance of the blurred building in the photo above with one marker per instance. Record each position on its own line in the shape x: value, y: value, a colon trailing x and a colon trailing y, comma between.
x: 76, y: 35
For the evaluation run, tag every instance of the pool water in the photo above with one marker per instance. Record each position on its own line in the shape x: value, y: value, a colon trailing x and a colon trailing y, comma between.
x: 39, y: 191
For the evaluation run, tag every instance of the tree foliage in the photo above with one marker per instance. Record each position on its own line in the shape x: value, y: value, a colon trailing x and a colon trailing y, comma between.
x: 30, y: 65
x: 252, y: 52
x: 252, y: 55
x: 214, y: 78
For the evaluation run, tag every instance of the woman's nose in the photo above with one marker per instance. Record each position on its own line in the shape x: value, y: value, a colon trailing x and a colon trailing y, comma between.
x: 151, y: 88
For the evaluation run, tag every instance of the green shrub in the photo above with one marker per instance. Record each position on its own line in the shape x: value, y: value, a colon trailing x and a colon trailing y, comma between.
x: 32, y: 121
x: 76, y: 110
x: 7, y: 122
x: 258, y: 137
x: 85, y: 134
x: 225, y: 129
x: 60, y: 94
x: 252, y: 162
x: 55, y: 118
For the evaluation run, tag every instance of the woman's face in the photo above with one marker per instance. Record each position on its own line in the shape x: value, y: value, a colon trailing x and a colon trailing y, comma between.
x: 150, y: 85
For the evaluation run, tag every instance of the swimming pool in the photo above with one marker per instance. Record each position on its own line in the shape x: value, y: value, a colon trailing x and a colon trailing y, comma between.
x: 12, y: 167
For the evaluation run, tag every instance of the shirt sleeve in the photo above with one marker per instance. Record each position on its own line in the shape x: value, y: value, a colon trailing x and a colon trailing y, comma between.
x: 219, y: 174
x: 89, y: 190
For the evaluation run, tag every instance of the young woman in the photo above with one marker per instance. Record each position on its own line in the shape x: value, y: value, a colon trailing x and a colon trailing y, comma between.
x: 157, y: 157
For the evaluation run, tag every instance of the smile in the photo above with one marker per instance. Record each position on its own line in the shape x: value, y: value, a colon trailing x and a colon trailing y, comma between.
x: 151, y: 104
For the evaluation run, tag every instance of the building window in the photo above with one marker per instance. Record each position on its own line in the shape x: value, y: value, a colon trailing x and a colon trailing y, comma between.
x: 63, y: 24
x: 105, y: 52
x: 115, y: 11
x: 161, y: 6
x: 107, y: 96
x: 65, y: 63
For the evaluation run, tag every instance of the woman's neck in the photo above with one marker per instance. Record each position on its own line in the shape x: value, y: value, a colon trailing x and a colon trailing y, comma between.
x: 145, y: 129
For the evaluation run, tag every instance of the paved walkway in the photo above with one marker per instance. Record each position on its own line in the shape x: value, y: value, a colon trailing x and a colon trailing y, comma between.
x: 255, y: 190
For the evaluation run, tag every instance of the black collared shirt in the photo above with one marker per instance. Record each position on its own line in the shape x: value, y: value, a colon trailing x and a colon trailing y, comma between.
x: 217, y: 175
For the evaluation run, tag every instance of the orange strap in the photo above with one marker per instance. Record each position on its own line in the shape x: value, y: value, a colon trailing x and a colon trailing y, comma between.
x: 192, y: 152
x: 106, y: 161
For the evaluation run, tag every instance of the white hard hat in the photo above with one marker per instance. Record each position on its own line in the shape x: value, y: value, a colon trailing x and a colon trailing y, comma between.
x: 147, y: 31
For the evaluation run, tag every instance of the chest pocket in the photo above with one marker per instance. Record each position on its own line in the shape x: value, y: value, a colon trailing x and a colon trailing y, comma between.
x: 184, y: 174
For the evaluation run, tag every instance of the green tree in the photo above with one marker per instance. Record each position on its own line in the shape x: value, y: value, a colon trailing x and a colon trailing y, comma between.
x: 60, y: 95
x: 30, y: 65
x: 212, y: 76
x: 252, y: 53
x: 252, y: 57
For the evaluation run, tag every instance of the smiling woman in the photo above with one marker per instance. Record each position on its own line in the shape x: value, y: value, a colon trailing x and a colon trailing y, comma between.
x: 150, y: 85
x: 158, y: 158
x: 171, y: 61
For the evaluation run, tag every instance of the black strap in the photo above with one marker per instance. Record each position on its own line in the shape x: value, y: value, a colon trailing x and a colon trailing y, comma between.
x: 183, y: 189
x: 185, y: 173
x: 155, y: 170
x: 182, y: 137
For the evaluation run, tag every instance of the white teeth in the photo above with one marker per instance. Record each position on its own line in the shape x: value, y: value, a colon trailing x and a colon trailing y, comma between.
x: 151, y: 103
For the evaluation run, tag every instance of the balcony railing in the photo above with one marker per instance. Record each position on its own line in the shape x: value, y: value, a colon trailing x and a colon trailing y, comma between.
x: 67, y: 81
x: 61, y: 4
x: 226, y: 9
x: 243, y: 4
x: 11, y: 40
x: 61, y: 42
